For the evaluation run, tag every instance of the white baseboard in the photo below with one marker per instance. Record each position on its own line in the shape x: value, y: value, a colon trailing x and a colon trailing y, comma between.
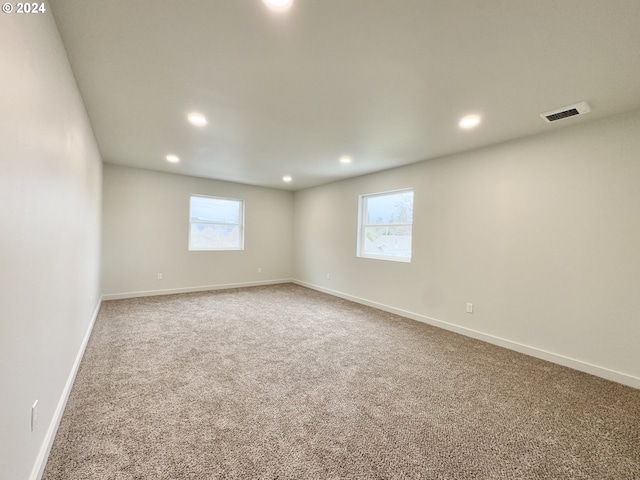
x: 43, y: 455
x: 582, y: 366
x: 172, y: 291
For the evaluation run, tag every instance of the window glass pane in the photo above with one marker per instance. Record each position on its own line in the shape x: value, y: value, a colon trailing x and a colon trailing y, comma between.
x: 205, y: 209
x: 386, y: 225
x: 214, y: 237
x: 392, y: 208
x: 388, y: 241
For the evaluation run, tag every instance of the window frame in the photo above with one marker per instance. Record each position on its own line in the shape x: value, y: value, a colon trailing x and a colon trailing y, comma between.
x: 239, y: 225
x: 362, y: 216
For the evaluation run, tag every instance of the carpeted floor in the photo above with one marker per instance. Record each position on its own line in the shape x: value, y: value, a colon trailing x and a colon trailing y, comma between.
x: 283, y: 382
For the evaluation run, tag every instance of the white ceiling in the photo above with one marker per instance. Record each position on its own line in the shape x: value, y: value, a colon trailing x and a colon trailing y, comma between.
x: 384, y: 81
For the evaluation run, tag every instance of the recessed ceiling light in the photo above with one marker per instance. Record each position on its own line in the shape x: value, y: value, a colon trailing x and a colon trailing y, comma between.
x: 470, y: 121
x: 172, y: 159
x: 345, y: 159
x: 287, y: 178
x: 278, y: 4
x: 197, y: 119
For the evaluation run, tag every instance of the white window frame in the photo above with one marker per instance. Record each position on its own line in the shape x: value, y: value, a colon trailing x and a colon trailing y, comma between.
x: 239, y: 225
x: 362, y: 225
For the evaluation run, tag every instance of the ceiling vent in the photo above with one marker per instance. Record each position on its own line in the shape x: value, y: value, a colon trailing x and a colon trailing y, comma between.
x: 565, y: 112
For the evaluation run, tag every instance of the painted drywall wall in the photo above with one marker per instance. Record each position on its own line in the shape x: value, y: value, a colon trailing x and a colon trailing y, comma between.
x: 146, y: 229
x: 50, y: 191
x: 542, y: 235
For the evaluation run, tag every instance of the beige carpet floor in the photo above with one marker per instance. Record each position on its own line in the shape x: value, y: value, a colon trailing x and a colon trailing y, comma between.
x: 283, y: 382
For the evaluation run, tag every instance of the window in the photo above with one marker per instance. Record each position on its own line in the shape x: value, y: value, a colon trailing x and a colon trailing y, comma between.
x: 216, y: 223
x: 385, y: 225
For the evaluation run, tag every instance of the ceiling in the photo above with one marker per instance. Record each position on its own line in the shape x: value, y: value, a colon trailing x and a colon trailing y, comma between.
x: 383, y: 81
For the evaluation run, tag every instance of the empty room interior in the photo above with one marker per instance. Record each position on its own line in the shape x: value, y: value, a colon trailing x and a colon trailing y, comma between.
x: 320, y: 239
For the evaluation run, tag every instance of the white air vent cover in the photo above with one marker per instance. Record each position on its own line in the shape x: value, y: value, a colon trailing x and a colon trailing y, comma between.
x: 565, y: 112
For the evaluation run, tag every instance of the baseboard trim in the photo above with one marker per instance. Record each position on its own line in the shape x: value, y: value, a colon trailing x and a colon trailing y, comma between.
x: 173, y: 291
x: 563, y: 360
x: 43, y: 455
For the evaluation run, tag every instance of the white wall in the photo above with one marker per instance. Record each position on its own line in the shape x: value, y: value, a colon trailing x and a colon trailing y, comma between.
x: 146, y: 229
x: 541, y: 234
x: 50, y: 189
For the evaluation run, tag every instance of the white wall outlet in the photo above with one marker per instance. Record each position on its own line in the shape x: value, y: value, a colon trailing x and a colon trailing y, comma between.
x: 328, y: 276
x: 34, y: 415
x: 159, y: 276
x: 259, y: 269
x: 469, y: 307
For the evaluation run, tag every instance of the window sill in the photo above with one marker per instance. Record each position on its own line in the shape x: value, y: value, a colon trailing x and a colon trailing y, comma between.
x: 387, y: 257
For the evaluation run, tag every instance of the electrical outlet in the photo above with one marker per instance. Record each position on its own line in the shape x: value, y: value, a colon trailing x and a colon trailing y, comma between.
x: 259, y: 269
x: 159, y: 276
x: 469, y: 307
x: 34, y: 415
x: 328, y: 276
